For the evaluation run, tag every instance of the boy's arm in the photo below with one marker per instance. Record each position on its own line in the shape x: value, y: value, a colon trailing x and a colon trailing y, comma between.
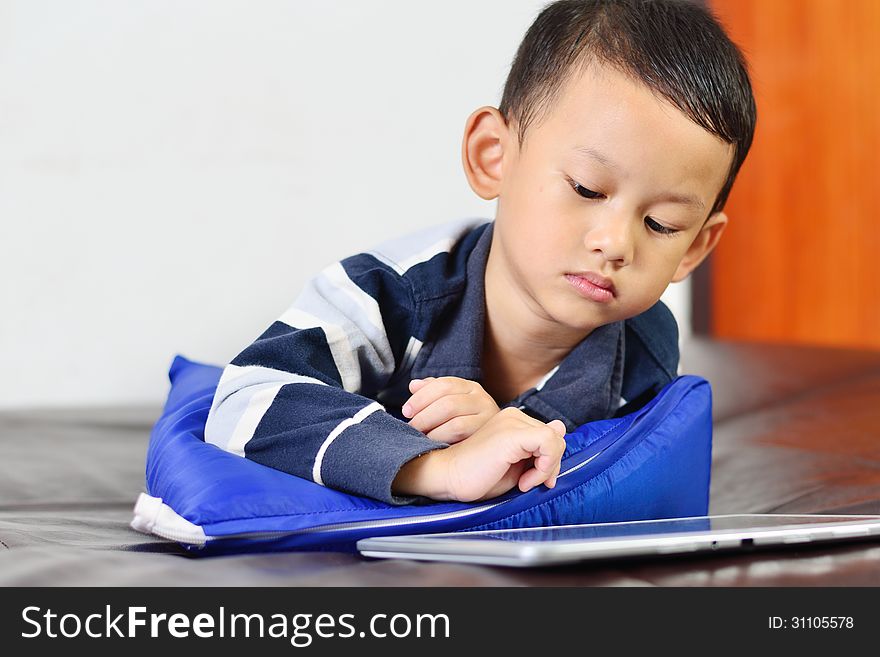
x: 298, y: 398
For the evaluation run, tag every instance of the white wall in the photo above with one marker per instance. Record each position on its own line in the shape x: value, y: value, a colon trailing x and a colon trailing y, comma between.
x: 172, y: 171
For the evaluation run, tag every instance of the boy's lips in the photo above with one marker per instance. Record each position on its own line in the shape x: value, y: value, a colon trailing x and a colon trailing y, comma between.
x: 592, y: 285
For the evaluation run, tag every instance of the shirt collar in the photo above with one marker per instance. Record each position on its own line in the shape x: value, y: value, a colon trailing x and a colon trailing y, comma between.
x: 585, y: 386
x: 458, y: 349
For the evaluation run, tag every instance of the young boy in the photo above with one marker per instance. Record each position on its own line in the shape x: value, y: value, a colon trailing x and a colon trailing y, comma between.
x: 448, y: 365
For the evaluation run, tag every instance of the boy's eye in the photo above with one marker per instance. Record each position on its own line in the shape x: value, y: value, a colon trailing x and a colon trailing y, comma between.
x: 583, y: 191
x: 659, y: 228
x: 649, y: 222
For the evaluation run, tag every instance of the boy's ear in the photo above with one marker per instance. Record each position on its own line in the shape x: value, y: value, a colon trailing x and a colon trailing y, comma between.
x: 482, y: 149
x: 702, y: 245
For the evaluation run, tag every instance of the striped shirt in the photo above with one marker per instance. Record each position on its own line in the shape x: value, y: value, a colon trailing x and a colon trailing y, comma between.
x: 319, y: 393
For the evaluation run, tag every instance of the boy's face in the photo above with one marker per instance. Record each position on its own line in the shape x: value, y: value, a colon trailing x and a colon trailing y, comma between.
x: 588, y: 202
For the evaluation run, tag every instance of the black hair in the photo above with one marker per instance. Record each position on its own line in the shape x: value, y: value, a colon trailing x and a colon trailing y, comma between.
x: 677, y: 48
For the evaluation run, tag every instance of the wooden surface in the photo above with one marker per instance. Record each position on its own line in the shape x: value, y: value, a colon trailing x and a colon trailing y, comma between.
x: 797, y: 430
x: 800, y: 261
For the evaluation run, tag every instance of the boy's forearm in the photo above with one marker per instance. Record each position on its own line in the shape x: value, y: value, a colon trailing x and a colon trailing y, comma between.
x: 424, y: 475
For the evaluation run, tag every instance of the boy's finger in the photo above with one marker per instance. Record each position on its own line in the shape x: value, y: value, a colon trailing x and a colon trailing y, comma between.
x: 547, y: 449
x: 536, y: 476
x: 531, y: 478
x: 455, y: 430
x: 550, y: 461
x: 417, y: 384
x: 441, y: 411
x: 427, y: 394
x: 546, y: 463
x: 558, y: 426
x: 534, y: 440
x: 551, y: 480
x: 414, y: 404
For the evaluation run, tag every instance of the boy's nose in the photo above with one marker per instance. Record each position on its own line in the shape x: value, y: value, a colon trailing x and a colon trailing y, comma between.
x: 611, y: 236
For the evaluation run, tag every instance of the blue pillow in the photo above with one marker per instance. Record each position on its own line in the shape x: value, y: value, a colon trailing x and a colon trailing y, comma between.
x: 652, y: 463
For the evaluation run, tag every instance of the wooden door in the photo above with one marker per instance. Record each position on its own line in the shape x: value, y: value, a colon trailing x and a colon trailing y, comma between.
x: 800, y: 260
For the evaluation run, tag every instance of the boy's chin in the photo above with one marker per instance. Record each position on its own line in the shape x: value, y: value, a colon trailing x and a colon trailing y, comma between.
x: 581, y: 321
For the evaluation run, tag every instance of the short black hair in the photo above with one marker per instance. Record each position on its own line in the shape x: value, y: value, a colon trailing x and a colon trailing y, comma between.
x: 677, y: 48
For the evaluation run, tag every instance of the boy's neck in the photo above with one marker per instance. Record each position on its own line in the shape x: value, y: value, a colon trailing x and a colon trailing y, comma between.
x: 519, y: 346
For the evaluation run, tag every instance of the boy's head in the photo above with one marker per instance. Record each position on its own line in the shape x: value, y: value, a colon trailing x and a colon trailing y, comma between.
x: 622, y: 126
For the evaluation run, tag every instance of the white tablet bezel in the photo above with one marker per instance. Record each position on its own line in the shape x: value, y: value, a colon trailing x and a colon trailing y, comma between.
x: 455, y: 547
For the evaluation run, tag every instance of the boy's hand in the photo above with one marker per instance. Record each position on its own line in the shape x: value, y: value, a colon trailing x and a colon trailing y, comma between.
x: 448, y: 409
x: 510, y: 449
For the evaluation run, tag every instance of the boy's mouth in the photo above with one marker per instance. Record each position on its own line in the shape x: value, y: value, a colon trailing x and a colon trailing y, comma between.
x: 592, y: 286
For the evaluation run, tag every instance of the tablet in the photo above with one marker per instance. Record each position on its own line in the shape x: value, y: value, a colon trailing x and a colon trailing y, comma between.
x: 540, y: 546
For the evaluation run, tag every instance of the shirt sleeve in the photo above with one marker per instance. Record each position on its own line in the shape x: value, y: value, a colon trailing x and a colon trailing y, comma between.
x: 301, y: 398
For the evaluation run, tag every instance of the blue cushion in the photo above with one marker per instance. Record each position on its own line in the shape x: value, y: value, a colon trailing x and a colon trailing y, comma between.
x: 652, y: 463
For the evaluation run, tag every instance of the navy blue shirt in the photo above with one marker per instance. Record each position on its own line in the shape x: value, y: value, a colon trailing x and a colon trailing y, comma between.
x: 319, y: 393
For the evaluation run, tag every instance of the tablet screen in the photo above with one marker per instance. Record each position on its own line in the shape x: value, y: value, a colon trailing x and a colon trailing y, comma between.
x: 659, y: 527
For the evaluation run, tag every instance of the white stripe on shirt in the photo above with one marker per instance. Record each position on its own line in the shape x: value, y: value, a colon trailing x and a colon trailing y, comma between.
x: 368, y: 306
x: 335, y: 299
x: 247, y: 424
x: 342, y: 426
x: 404, y: 253
x: 344, y: 356
x: 412, y: 350
x: 244, y: 394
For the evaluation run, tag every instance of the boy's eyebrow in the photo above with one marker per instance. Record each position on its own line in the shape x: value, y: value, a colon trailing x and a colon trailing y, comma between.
x: 592, y: 153
x: 683, y: 199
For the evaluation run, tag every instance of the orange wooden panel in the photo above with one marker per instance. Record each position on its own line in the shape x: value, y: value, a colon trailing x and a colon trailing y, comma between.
x: 800, y: 261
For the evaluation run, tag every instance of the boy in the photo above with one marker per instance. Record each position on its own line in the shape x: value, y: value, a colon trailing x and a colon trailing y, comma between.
x: 448, y: 365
